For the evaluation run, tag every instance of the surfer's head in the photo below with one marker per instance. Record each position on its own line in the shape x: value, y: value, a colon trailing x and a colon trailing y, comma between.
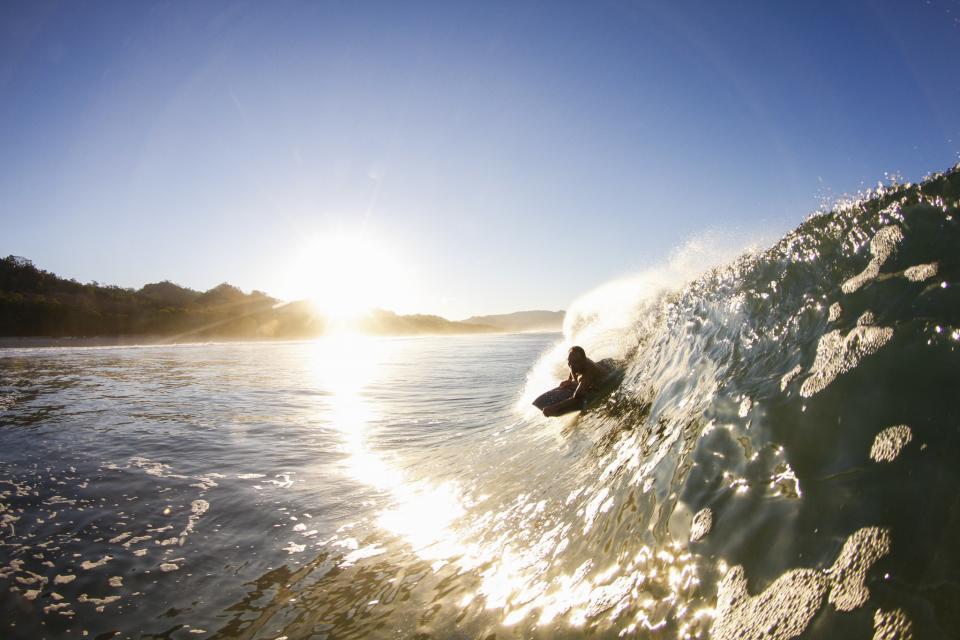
x: 576, y: 358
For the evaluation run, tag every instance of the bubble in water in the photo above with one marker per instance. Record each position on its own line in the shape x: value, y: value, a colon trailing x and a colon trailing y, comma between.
x: 197, y: 509
x: 892, y: 625
x: 835, y: 311
x: 882, y: 246
x: 921, y: 272
x: 87, y: 565
x: 782, y: 611
x: 789, y: 376
x: 99, y: 602
x: 702, y: 523
x: 785, y: 608
x: 889, y: 442
x: 838, y: 354
x: 62, y: 608
x: 7, y: 401
x: 849, y: 572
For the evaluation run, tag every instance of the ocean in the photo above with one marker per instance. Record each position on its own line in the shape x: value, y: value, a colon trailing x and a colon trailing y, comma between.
x: 779, y: 460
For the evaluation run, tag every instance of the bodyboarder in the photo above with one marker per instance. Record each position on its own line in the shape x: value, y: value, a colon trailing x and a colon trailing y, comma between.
x: 586, y: 377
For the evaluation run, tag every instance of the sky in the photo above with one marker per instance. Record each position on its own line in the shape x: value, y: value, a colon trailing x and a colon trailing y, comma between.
x: 463, y: 158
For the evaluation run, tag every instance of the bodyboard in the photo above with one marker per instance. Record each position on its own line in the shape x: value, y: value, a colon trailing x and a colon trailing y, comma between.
x: 559, y: 394
x: 554, y: 396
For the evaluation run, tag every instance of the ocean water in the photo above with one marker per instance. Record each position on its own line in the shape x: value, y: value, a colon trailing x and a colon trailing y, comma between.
x: 779, y: 461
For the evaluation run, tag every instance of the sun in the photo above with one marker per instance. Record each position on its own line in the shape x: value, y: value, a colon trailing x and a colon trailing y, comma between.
x: 344, y: 275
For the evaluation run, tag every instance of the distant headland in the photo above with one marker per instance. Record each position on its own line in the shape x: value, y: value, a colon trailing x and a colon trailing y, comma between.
x: 38, y: 307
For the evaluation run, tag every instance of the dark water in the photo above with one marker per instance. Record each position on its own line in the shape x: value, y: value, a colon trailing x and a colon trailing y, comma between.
x: 780, y: 461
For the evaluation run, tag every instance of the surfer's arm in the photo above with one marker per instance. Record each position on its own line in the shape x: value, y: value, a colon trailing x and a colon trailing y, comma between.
x: 581, y: 393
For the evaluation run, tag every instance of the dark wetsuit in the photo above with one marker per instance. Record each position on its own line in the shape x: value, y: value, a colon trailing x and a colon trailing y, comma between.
x: 587, y: 385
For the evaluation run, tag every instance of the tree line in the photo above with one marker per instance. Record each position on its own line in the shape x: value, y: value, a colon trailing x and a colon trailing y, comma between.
x: 38, y: 303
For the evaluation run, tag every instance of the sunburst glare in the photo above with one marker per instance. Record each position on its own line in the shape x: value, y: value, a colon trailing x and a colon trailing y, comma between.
x: 344, y: 275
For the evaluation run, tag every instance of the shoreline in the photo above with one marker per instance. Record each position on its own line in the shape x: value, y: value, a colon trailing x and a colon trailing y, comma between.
x: 40, y: 342
x: 32, y: 342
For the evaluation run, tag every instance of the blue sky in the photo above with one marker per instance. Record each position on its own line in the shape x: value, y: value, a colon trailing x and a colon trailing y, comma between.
x: 508, y: 155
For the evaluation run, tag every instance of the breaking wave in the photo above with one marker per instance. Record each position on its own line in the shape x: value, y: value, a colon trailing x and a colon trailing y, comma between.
x: 777, y: 457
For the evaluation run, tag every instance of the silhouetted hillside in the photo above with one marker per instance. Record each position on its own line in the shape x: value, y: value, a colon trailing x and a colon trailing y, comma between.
x: 38, y: 303
x: 522, y: 321
x: 168, y: 294
x: 380, y: 322
x: 34, y: 302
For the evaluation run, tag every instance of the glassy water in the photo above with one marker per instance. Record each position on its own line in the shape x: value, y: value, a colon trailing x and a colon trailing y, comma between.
x: 169, y: 490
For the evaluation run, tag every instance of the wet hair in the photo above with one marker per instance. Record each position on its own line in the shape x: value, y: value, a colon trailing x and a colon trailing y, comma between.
x: 578, y: 350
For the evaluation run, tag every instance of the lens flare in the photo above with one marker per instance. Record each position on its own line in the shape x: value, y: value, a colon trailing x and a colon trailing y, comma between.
x: 345, y: 275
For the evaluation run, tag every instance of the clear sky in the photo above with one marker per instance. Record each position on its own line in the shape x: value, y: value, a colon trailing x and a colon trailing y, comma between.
x: 501, y: 155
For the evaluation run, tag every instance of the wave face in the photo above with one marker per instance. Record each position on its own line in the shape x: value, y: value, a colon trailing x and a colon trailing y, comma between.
x: 781, y: 454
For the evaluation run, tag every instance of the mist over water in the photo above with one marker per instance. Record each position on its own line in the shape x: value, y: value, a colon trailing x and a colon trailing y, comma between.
x: 612, y: 319
x: 779, y: 460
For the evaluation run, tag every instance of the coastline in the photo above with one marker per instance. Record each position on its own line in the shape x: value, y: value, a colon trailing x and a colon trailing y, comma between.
x: 41, y: 342
x: 31, y: 342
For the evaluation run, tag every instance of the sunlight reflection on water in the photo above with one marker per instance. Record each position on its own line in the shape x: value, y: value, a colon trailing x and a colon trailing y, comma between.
x: 421, y: 512
x: 509, y: 548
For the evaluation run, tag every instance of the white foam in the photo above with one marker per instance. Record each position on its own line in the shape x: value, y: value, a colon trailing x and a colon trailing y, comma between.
x: 838, y: 354
x: 782, y: 611
x: 892, y: 625
x: 849, y: 572
x: 882, y: 247
x: 889, y: 442
x: 702, y: 523
x: 197, y: 509
x: 785, y: 608
x: 60, y: 607
x: 87, y: 565
x: 834, y: 313
x: 364, y: 552
x: 921, y: 272
x: 789, y: 376
x: 97, y: 601
x: 293, y: 547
